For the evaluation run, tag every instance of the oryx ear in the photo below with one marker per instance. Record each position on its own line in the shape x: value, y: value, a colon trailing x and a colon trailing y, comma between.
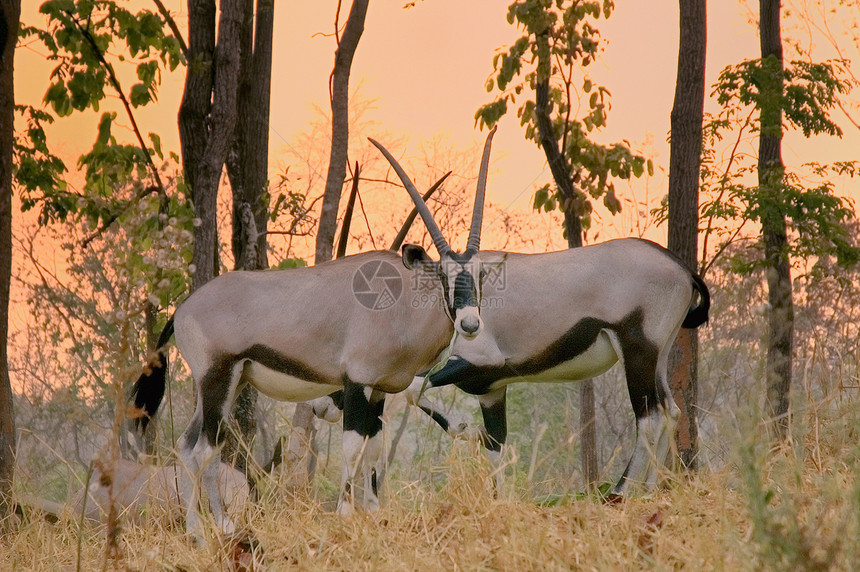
x: 415, y: 256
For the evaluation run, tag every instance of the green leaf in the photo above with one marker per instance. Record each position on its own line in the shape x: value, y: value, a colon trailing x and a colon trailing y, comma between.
x: 290, y: 263
x: 139, y: 95
x: 156, y: 145
x: 541, y: 196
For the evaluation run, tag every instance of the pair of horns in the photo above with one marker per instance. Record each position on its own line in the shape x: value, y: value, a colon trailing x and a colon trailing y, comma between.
x: 442, y: 246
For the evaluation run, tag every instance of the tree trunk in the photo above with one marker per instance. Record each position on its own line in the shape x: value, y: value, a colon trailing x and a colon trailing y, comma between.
x: 303, y: 418
x: 339, y: 129
x: 573, y: 229
x: 248, y: 164
x: 10, y: 13
x: 777, y: 269
x: 684, y: 165
x: 248, y: 167
x: 207, y: 117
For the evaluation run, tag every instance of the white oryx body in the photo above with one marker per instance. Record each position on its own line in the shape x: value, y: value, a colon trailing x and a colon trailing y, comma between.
x: 571, y: 315
x: 300, y: 332
x: 297, y: 335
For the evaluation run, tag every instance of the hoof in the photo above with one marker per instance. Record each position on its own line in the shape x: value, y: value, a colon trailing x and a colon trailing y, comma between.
x: 371, y: 505
x: 228, y: 529
x: 244, y: 551
x: 460, y: 431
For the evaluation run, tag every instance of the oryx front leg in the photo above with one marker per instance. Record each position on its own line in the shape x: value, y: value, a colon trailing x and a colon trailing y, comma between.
x: 415, y: 396
x: 495, y: 431
x: 362, y: 444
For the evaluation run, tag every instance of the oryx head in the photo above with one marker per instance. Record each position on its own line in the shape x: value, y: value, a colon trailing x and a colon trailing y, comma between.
x: 460, y: 274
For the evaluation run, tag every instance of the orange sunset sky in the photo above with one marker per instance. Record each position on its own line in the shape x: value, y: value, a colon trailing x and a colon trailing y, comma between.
x: 424, y: 70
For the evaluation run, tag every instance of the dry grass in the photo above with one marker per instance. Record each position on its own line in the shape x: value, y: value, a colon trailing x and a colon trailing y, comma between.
x: 796, y: 508
x: 459, y: 528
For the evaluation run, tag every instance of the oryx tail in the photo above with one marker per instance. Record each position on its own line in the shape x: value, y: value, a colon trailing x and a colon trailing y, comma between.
x: 148, y: 391
x: 698, y: 314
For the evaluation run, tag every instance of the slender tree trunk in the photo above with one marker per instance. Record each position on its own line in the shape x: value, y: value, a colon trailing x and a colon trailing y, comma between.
x: 339, y: 129
x: 684, y: 165
x: 207, y: 118
x: 777, y: 269
x: 303, y: 418
x: 573, y: 229
x: 10, y: 13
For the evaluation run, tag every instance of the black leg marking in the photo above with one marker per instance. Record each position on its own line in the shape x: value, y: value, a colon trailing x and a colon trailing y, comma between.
x: 640, y: 365
x: 360, y: 414
x: 373, y: 483
x: 337, y: 399
x: 362, y: 421
x: 440, y: 419
x: 495, y: 421
x: 214, y: 390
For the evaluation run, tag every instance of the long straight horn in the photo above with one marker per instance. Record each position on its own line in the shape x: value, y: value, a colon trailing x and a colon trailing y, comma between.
x: 404, y: 230
x: 347, y: 216
x: 478, y: 212
x: 436, y: 234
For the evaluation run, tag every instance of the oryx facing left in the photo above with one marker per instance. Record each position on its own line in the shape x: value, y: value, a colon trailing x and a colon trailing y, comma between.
x: 302, y: 333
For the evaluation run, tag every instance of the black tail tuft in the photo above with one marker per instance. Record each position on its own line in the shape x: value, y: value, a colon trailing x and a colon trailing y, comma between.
x: 698, y: 315
x: 148, y: 391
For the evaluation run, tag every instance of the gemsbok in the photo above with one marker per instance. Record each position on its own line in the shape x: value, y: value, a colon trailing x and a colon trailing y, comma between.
x: 304, y: 333
x: 570, y: 315
x: 567, y: 316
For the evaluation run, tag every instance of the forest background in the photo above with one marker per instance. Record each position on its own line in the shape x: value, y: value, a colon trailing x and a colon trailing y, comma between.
x: 416, y: 86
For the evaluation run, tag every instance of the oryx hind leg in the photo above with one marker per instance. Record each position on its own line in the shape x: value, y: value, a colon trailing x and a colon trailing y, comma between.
x: 362, y: 444
x: 670, y: 413
x: 645, y: 370
x: 199, y: 445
